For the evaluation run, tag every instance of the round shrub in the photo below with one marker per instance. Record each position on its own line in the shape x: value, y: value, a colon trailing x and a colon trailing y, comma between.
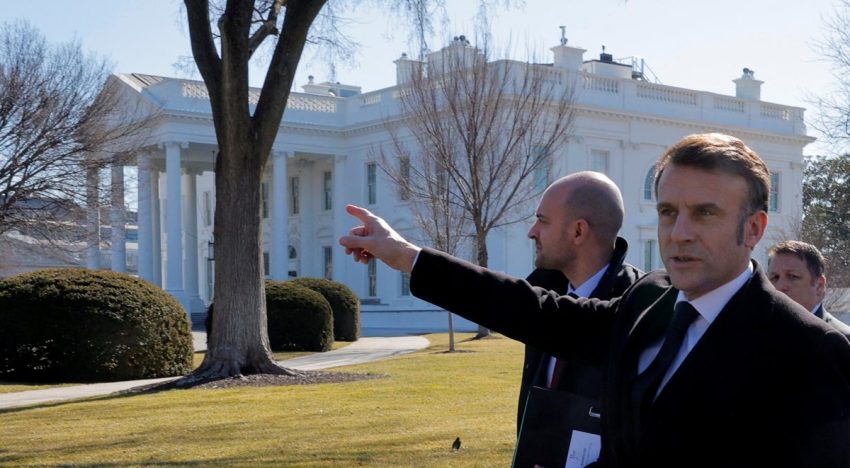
x: 344, y: 304
x: 300, y: 319
x: 75, y: 325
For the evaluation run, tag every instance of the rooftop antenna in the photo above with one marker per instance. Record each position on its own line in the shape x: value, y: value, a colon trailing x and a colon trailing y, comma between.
x: 563, y: 35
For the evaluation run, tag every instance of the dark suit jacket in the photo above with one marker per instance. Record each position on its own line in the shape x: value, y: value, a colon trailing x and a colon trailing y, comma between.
x: 577, y: 375
x: 842, y: 327
x: 767, y: 385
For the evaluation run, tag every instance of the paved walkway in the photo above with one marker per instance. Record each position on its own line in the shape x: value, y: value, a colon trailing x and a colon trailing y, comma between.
x: 361, y: 351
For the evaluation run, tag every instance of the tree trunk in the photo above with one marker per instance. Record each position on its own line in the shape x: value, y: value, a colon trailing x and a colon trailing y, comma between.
x: 239, y: 343
x: 451, y: 334
x: 482, y: 258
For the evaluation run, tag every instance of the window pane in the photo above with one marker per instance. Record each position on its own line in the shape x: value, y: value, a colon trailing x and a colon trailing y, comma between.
x: 599, y: 161
x: 293, y: 195
x: 327, y: 253
x: 405, y: 284
x: 328, y: 201
x: 649, y: 185
x: 371, y: 181
x: 373, y: 278
x: 404, y: 170
x: 773, y: 204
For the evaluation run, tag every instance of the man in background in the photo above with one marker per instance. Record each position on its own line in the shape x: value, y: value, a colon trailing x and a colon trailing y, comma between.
x: 578, y: 252
x: 797, y: 269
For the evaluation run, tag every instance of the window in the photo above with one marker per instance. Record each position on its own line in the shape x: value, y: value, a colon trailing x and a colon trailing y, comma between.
x: 293, y: 195
x: 327, y: 194
x: 265, y: 264
x: 649, y: 255
x: 372, y: 275
x: 773, y: 202
x: 293, y: 254
x: 327, y: 256
x: 649, y: 185
x: 405, y: 284
x: 404, y: 172
x: 541, y: 164
x: 371, y: 183
x: 599, y: 160
x: 210, y: 279
x: 264, y: 199
x: 207, y: 208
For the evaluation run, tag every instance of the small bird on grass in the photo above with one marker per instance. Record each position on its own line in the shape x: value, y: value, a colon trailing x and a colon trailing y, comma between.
x: 456, y: 444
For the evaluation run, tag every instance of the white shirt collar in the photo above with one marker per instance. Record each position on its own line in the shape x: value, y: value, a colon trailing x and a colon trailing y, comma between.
x: 711, y: 303
x: 586, y: 289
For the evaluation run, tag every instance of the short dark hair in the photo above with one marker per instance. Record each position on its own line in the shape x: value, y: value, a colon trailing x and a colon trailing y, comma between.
x: 725, y: 153
x: 804, y: 251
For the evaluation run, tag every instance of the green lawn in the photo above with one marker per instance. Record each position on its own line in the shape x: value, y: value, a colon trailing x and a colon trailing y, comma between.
x: 409, y: 418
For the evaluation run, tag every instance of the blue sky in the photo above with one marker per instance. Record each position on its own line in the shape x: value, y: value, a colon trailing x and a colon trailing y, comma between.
x: 692, y: 44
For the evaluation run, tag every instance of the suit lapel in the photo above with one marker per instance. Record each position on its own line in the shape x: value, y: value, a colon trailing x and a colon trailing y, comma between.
x: 652, y: 322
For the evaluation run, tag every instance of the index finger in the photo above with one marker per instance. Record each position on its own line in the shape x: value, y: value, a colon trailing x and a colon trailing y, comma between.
x: 362, y: 214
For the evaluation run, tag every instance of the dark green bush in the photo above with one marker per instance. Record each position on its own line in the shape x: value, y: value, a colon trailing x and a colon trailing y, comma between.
x: 344, y: 303
x: 75, y: 325
x: 299, y: 319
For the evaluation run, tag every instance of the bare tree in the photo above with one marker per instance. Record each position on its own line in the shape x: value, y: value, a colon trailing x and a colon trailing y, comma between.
x: 441, y: 221
x: 833, y: 117
x: 481, y: 135
x: 57, y: 121
x: 239, y: 342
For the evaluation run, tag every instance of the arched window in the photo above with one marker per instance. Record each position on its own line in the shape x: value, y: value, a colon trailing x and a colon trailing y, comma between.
x: 649, y: 184
x: 292, y: 253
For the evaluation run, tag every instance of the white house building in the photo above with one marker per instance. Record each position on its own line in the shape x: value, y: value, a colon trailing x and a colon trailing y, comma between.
x: 324, y: 157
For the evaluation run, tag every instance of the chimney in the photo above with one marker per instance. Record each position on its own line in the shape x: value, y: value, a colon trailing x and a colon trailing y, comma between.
x: 747, y: 87
x: 406, y: 69
x: 566, y: 57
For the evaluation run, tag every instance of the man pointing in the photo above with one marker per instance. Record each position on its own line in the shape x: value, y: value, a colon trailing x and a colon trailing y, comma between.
x: 708, y: 365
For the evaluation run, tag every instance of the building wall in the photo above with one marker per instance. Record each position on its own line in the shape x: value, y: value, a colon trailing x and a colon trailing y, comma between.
x: 628, y: 121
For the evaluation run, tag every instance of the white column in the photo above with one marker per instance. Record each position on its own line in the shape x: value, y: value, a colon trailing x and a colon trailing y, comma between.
x: 311, y: 208
x: 190, y: 259
x: 279, y: 254
x: 156, y: 227
x: 174, y: 222
x: 92, y: 219
x: 145, y: 216
x: 119, y: 238
x: 341, y: 221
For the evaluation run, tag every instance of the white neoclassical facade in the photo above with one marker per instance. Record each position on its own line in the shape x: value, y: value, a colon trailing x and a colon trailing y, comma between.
x: 325, y: 156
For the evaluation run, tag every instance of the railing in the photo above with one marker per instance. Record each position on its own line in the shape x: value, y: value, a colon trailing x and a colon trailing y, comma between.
x: 370, y: 99
x: 772, y: 111
x: 194, y: 90
x: 311, y: 103
x: 729, y: 104
x: 600, y: 83
x: 666, y: 94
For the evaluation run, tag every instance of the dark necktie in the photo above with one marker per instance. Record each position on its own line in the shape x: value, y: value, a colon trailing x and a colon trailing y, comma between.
x: 559, y: 363
x: 647, y: 383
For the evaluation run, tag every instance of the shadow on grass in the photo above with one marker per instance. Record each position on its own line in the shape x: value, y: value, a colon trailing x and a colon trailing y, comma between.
x: 187, y: 383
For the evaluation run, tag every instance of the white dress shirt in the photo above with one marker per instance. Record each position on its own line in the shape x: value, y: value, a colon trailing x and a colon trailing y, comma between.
x: 709, y: 306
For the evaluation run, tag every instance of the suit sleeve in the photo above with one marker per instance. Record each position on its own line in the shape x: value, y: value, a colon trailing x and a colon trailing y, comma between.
x: 559, y: 325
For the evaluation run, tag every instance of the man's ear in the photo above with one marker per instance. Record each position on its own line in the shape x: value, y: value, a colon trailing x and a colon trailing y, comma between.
x: 754, y: 228
x: 820, y: 287
x: 580, y: 231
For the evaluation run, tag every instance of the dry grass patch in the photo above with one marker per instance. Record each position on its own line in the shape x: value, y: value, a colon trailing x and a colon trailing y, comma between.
x: 409, y: 418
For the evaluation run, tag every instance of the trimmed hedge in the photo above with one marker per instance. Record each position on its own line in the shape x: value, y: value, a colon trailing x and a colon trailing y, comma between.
x: 75, y: 325
x: 299, y: 319
x: 344, y: 303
